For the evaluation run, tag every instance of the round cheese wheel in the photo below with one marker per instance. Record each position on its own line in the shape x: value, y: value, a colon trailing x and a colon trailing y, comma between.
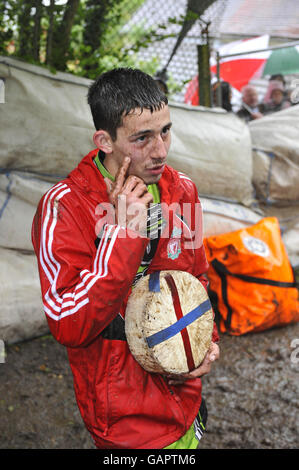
x: 169, y: 322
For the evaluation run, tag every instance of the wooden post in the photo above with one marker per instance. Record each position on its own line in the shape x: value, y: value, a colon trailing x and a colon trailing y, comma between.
x: 204, y: 75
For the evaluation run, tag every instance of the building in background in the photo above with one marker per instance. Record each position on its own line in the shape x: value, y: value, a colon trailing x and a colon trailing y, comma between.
x: 228, y: 21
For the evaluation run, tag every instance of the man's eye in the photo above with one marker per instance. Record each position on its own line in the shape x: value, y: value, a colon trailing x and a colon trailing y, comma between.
x: 141, y: 138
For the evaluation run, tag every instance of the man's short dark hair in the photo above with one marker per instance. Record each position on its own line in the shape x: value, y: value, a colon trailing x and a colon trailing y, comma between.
x: 116, y: 93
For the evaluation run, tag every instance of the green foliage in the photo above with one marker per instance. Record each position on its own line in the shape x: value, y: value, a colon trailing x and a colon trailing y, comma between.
x: 100, y: 45
x: 84, y: 37
x: 7, y: 24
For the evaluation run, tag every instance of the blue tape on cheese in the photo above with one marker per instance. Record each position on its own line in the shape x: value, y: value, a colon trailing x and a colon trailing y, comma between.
x: 154, y: 282
x: 182, y: 323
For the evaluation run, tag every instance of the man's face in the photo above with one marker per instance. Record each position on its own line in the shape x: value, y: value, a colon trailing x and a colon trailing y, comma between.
x: 145, y: 138
x: 250, y: 97
x: 277, y: 96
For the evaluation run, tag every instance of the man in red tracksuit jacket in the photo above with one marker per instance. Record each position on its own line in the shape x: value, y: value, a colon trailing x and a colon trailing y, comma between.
x: 91, y: 249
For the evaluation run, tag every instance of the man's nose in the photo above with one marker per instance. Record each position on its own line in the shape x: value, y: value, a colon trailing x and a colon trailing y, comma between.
x: 160, y: 149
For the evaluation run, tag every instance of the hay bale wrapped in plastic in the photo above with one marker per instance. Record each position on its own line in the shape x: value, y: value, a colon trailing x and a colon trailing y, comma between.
x: 169, y: 322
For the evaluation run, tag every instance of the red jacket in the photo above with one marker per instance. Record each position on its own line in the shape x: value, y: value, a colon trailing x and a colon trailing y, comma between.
x: 84, y: 290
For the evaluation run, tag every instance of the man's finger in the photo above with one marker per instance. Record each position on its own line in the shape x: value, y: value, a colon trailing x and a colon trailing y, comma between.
x: 108, y: 183
x: 131, y: 182
x: 214, y: 352
x: 146, y: 199
x: 121, y: 174
x: 140, y: 189
x: 205, y: 367
x: 120, y: 179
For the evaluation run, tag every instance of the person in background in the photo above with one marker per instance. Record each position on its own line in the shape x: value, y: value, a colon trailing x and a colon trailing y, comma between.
x: 275, y: 99
x: 276, y: 77
x: 226, y: 95
x: 250, y: 109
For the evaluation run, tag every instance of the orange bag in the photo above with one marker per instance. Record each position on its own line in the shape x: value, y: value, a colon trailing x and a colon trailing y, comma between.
x: 252, y: 285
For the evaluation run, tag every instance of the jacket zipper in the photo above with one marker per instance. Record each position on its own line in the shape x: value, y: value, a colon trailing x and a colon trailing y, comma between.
x: 176, y: 398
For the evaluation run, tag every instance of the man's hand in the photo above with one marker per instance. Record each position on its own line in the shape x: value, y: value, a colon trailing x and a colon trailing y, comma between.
x: 257, y: 115
x: 204, y: 368
x: 130, y: 197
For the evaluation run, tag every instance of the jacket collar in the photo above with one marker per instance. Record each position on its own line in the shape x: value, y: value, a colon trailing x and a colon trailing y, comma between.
x: 87, y: 176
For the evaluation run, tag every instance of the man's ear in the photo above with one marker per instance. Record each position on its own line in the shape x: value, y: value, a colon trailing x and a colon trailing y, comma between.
x: 103, y: 141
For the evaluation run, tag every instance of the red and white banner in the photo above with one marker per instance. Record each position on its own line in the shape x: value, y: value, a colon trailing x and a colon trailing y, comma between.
x: 237, y: 70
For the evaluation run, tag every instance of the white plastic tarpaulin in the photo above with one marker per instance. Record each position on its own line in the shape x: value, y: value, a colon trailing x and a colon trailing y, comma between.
x: 21, y: 314
x: 19, y: 196
x: 222, y: 216
x: 275, y: 142
x: 213, y: 147
x: 46, y: 125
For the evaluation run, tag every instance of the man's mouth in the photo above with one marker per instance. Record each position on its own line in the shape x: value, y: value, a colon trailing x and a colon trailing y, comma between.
x: 156, y: 170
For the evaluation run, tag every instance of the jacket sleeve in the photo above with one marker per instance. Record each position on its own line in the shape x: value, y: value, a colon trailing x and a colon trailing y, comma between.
x: 83, y: 287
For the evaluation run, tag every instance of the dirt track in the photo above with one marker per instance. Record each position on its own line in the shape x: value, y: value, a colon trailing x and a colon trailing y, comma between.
x: 252, y: 395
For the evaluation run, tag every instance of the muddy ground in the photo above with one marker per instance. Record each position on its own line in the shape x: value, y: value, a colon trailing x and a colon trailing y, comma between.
x: 252, y: 395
